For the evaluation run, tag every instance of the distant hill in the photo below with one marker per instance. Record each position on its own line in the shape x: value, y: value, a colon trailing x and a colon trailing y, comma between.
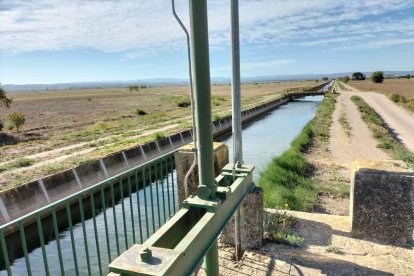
x: 173, y: 81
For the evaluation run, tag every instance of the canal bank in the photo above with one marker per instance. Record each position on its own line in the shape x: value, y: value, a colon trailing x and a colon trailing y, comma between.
x: 290, y: 181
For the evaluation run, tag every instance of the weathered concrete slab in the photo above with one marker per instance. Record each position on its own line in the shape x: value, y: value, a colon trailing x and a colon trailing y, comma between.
x: 382, y: 201
x: 184, y: 159
x: 251, y: 222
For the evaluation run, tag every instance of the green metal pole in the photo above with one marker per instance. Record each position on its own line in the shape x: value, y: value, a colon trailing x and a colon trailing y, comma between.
x: 211, y: 260
x: 201, y: 73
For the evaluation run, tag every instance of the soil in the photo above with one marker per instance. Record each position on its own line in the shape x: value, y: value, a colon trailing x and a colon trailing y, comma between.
x: 321, y: 233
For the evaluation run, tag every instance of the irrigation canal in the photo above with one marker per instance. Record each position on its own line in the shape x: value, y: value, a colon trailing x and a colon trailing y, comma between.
x: 99, y: 240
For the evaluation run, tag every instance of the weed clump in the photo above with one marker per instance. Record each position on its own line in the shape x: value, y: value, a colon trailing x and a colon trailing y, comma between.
x: 279, y: 229
x: 158, y: 135
x: 140, y: 112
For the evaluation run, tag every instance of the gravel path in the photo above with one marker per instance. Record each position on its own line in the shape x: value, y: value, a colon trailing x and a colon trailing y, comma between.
x: 398, y: 119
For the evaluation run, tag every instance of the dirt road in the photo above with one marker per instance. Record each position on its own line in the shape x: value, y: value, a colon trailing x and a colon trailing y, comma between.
x: 358, y: 143
x: 400, y: 121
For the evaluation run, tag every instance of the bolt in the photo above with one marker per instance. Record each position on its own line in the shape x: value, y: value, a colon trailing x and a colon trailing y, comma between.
x: 145, y: 254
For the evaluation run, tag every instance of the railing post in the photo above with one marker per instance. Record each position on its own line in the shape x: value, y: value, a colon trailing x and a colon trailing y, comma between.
x: 201, y: 72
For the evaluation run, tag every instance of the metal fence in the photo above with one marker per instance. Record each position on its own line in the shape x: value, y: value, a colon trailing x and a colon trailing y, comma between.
x: 82, y: 233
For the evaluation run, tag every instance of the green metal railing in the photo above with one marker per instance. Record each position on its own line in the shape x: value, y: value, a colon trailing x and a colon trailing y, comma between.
x: 82, y: 233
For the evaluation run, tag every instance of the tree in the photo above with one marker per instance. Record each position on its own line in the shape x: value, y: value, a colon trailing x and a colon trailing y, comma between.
x: 4, y: 100
x: 358, y: 76
x: 17, y: 119
x: 377, y: 77
x: 325, y: 78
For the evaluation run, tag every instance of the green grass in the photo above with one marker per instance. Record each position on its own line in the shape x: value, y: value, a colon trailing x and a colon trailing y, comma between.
x: 158, y: 135
x: 286, y: 179
x: 380, y: 132
x: 18, y: 163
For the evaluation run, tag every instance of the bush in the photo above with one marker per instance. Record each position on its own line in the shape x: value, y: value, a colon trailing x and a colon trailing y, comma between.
x: 395, y: 98
x: 377, y: 77
x: 141, y: 112
x: 183, y: 101
x: 158, y: 135
x: 17, y: 119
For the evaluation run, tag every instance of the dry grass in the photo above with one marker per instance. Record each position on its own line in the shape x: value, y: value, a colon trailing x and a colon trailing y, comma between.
x: 403, y: 87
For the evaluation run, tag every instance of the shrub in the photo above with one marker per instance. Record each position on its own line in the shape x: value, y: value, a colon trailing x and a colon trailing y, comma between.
x: 377, y: 77
x: 183, y: 101
x: 395, y: 98
x: 141, y: 112
x: 158, y: 135
x: 17, y: 119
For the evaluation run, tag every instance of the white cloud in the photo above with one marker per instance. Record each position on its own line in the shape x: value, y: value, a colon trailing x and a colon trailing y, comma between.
x: 138, y: 28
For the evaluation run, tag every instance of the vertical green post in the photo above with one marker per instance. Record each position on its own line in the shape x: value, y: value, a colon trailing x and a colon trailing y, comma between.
x: 201, y: 74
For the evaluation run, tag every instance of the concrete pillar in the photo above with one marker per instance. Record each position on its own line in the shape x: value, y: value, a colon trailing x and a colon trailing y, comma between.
x: 382, y: 201
x: 251, y: 225
x: 251, y: 210
x: 184, y: 159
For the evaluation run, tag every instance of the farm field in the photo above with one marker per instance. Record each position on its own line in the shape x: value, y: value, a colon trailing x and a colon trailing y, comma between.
x: 65, y: 128
x: 401, y: 91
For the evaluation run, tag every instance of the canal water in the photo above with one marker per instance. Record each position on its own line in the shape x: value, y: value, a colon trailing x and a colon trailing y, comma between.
x: 271, y: 135
x: 263, y: 139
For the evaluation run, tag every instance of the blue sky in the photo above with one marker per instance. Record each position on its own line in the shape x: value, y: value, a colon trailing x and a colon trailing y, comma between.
x: 52, y: 41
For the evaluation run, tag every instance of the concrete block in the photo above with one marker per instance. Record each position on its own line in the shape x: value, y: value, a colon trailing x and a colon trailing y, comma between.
x: 184, y: 159
x: 382, y: 201
x: 251, y: 222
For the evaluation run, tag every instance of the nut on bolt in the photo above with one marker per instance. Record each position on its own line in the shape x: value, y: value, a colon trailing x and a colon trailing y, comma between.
x: 145, y: 254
